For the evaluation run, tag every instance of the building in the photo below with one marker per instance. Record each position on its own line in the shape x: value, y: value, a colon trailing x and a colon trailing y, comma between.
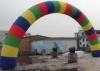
x: 30, y: 44
x: 41, y: 42
x: 24, y: 50
x: 2, y: 37
x: 82, y: 42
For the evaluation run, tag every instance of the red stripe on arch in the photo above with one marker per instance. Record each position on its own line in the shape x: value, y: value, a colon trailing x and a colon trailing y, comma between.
x: 43, y: 8
x: 68, y: 9
x: 16, y: 31
x: 81, y: 19
x: 92, y: 37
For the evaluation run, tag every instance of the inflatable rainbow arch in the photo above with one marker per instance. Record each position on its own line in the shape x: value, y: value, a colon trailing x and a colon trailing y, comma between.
x: 11, y: 44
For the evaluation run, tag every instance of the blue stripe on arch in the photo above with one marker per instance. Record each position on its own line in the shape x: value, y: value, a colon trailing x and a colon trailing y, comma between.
x: 22, y: 23
x: 89, y: 32
x: 50, y: 6
x: 96, y: 53
x: 77, y: 14
x: 7, y: 62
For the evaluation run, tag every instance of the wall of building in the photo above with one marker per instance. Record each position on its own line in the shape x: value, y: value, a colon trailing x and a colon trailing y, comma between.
x: 25, y: 44
x: 2, y: 37
x: 82, y: 42
x: 49, y: 43
x: 25, y: 48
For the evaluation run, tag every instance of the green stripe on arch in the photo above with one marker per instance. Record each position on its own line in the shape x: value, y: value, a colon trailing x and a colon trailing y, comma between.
x: 12, y: 41
x: 36, y: 11
x: 73, y: 11
x: 94, y: 42
x: 85, y: 22
x: 56, y: 5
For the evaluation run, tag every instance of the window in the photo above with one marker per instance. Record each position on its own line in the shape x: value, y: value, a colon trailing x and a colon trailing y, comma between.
x: 83, y: 34
x: 87, y: 45
x: 83, y: 39
x: 83, y: 45
x: 80, y: 43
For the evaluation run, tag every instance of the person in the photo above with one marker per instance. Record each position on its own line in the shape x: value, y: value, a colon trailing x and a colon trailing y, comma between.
x: 54, y: 52
x: 72, y: 56
x: 43, y: 51
x: 73, y: 59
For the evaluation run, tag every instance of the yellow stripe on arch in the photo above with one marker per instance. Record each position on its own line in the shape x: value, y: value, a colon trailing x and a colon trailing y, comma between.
x: 62, y: 7
x: 62, y: 0
x: 29, y: 16
x: 87, y: 27
x: 9, y: 51
x: 95, y: 47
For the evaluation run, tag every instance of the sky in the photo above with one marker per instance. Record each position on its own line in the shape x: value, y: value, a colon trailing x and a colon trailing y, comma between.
x: 53, y: 25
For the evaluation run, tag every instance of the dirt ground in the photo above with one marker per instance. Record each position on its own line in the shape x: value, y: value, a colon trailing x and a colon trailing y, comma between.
x: 86, y: 63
